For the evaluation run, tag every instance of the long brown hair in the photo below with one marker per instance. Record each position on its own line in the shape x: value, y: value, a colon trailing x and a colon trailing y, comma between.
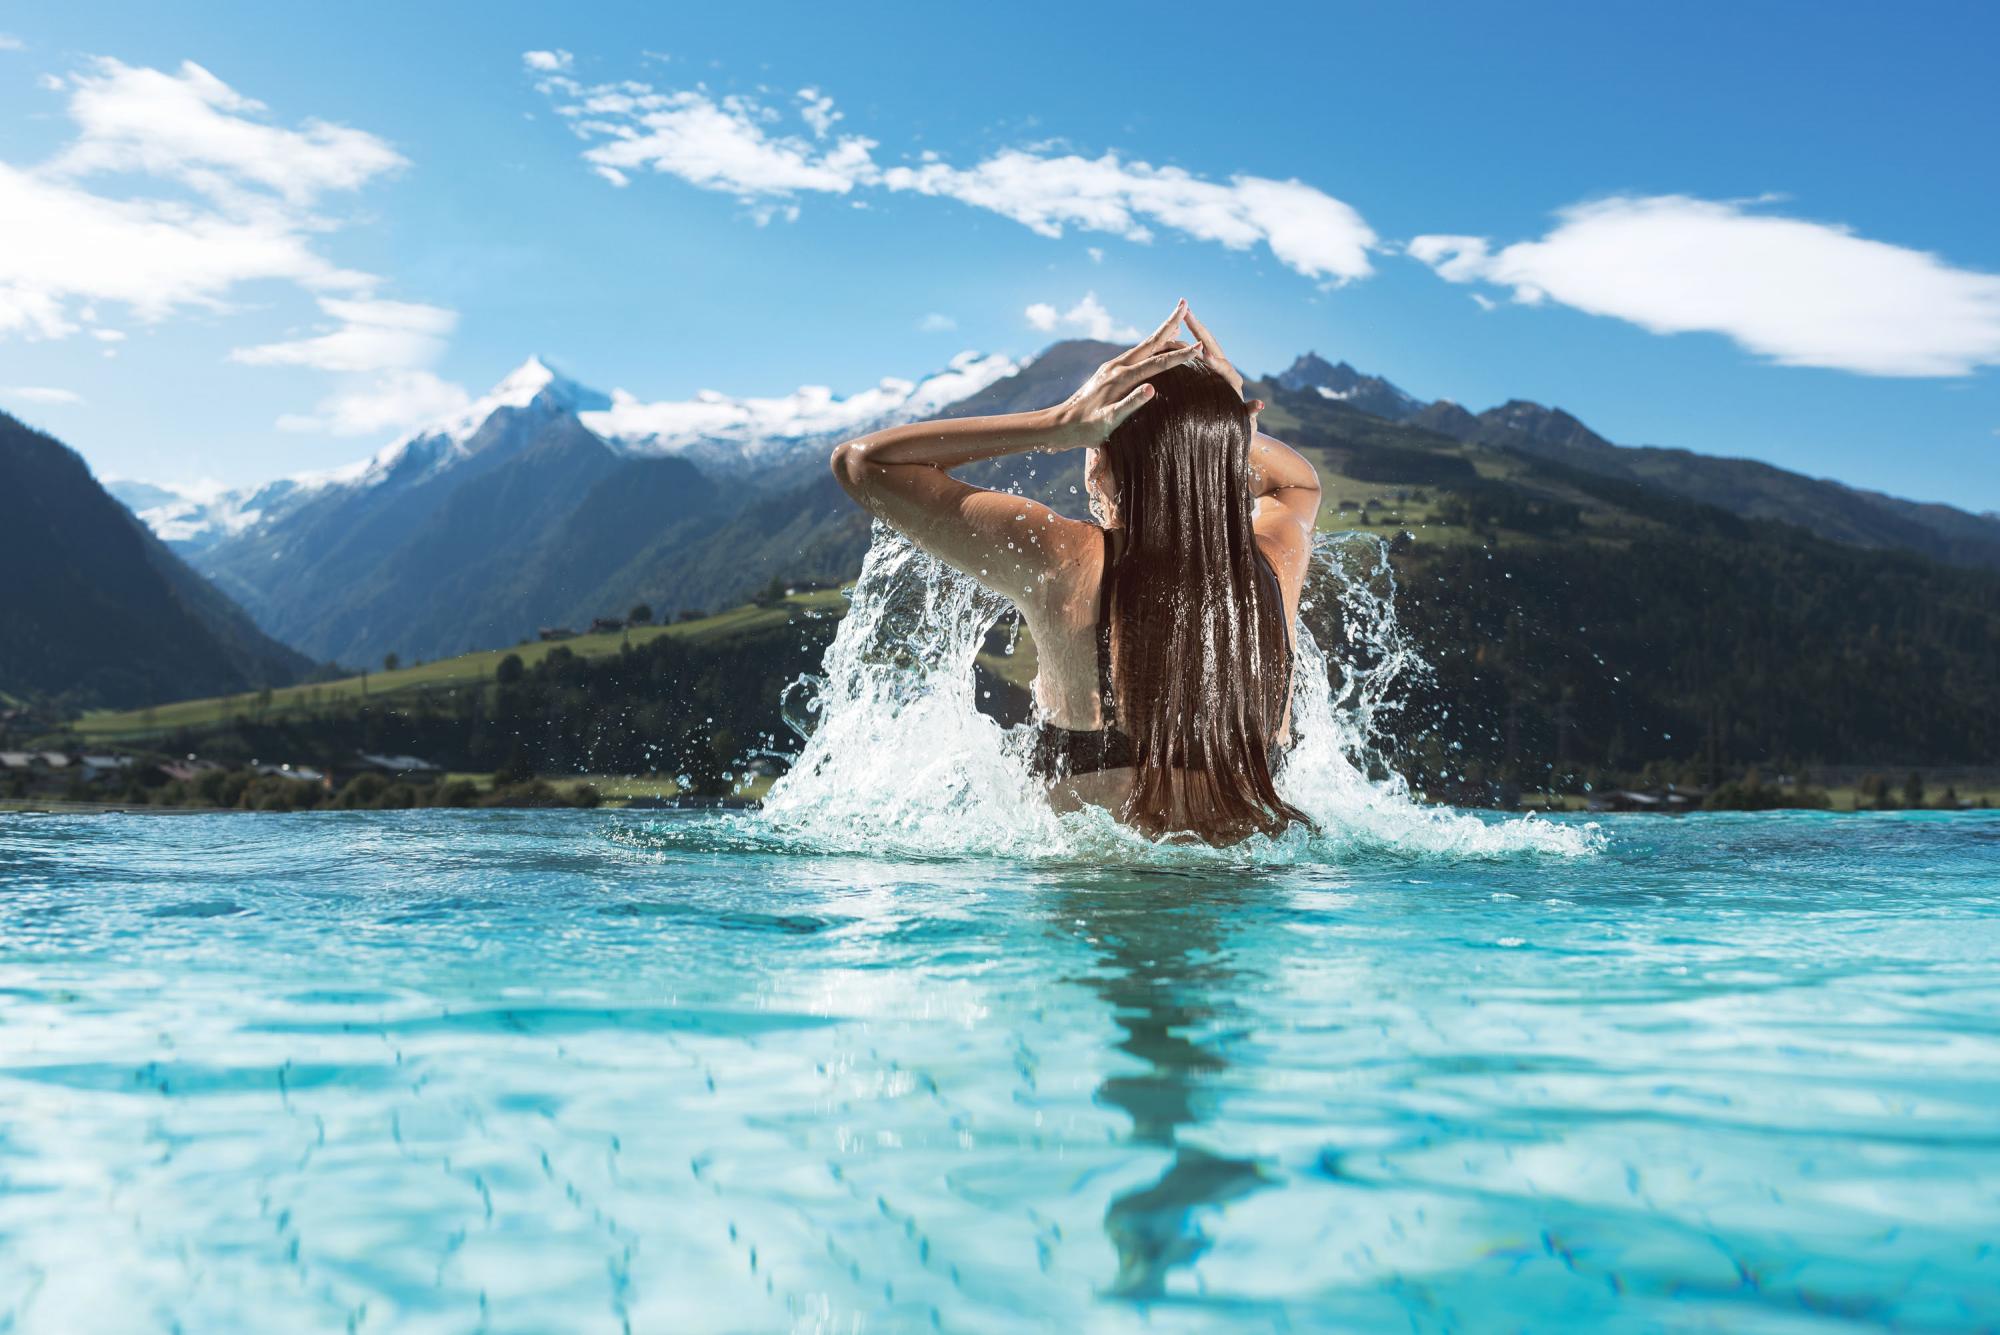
x: 1200, y: 649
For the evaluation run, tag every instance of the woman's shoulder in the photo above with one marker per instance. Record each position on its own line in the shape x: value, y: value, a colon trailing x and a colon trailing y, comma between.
x: 1074, y: 553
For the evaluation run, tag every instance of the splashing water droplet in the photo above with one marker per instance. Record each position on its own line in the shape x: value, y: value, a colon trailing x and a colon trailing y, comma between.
x: 897, y: 757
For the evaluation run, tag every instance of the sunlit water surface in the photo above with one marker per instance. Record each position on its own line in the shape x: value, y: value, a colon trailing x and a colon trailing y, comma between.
x: 593, y: 1071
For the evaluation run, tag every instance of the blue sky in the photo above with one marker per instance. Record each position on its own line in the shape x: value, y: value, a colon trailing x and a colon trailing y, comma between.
x: 1755, y: 230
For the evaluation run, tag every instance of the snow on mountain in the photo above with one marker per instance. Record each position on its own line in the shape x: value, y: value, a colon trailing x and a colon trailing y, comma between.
x: 723, y: 431
x: 715, y: 431
x: 1344, y: 384
x: 533, y: 388
x: 194, y: 515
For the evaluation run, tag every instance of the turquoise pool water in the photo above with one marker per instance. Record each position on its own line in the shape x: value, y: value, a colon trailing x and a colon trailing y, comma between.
x: 567, y: 1071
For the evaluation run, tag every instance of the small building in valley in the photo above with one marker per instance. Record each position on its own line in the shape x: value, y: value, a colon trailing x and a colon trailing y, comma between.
x: 399, y: 767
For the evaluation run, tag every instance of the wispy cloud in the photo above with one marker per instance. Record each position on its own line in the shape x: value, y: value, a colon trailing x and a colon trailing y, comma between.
x: 42, y: 394
x: 385, y: 348
x: 739, y: 145
x: 1087, y: 317
x: 70, y: 248
x: 937, y: 322
x: 391, y: 401
x: 192, y: 127
x: 210, y: 195
x: 547, y: 62
x: 1798, y: 292
x: 816, y: 109
x: 9, y: 42
x: 372, y: 336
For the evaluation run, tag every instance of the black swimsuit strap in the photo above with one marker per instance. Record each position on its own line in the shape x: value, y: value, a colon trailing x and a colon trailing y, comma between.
x: 1278, y: 597
x: 1106, y: 701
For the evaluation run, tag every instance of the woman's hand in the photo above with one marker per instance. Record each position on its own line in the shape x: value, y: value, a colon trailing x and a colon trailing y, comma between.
x: 1116, y: 389
x: 1211, y: 352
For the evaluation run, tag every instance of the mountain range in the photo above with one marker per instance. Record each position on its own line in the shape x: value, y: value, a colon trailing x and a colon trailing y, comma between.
x: 546, y: 503
x: 96, y: 608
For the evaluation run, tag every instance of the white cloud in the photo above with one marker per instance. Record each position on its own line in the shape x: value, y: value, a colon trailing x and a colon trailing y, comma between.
x: 254, y: 214
x: 738, y: 145
x: 9, y: 42
x: 1307, y: 229
x: 1096, y: 254
x: 393, y: 401
x: 936, y: 322
x: 547, y: 61
x: 1088, y: 318
x: 1800, y: 293
x: 66, y: 245
x: 196, y: 129
x: 816, y: 109
x: 40, y: 394
x: 158, y: 252
x: 373, y: 336
x: 715, y: 145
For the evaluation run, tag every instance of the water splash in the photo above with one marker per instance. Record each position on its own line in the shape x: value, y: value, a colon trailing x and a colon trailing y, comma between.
x: 898, y: 759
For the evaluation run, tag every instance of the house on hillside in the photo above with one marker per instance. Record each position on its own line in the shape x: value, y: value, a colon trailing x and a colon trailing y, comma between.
x: 297, y: 773
x: 600, y: 625
x: 96, y: 767
x: 186, y: 770
x: 1673, y: 800
x: 22, y: 762
x: 550, y: 633
x: 399, y: 767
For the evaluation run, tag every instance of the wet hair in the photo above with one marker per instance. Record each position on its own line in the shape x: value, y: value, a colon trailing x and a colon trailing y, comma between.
x: 1200, y: 650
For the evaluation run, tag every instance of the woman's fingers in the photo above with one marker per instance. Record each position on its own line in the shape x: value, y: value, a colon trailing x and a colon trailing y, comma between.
x: 1201, y: 333
x: 1152, y: 341
x: 1168, y: 325
x: 1128, y: 405
x: 1160, y: 361
x: 1214, y: 351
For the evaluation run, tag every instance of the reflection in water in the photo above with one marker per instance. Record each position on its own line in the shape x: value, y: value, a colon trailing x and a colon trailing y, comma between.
x: 1166, y: 973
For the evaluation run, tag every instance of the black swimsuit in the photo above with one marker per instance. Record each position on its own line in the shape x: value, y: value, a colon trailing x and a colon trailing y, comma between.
x: 1060, y: 751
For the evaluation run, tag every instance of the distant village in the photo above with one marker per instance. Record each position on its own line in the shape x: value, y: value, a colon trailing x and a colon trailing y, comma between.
x: 88, y: 775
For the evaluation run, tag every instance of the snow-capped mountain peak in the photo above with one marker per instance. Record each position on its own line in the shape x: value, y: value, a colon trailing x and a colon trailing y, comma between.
x: 716, y: 431
x: 533, y: 388
x: 534, y: 384
x: 534, y: 379
x: 1342, y: 383
x: 724, y: 431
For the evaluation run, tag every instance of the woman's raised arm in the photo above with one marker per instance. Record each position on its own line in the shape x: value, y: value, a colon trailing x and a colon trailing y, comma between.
x: 1008, y: 543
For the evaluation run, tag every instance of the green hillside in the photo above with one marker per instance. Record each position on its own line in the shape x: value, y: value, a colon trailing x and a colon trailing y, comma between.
x: 1580, y: 628
x: 467, y: 672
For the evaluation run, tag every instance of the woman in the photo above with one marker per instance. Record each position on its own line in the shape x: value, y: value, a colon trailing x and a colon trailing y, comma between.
x: 1164, y: 632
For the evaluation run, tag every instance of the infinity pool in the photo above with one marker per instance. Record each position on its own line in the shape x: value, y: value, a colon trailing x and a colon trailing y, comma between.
x: 592, y: 1071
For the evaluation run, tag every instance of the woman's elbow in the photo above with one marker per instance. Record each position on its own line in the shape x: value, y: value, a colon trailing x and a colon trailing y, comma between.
x: 850, y: 466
